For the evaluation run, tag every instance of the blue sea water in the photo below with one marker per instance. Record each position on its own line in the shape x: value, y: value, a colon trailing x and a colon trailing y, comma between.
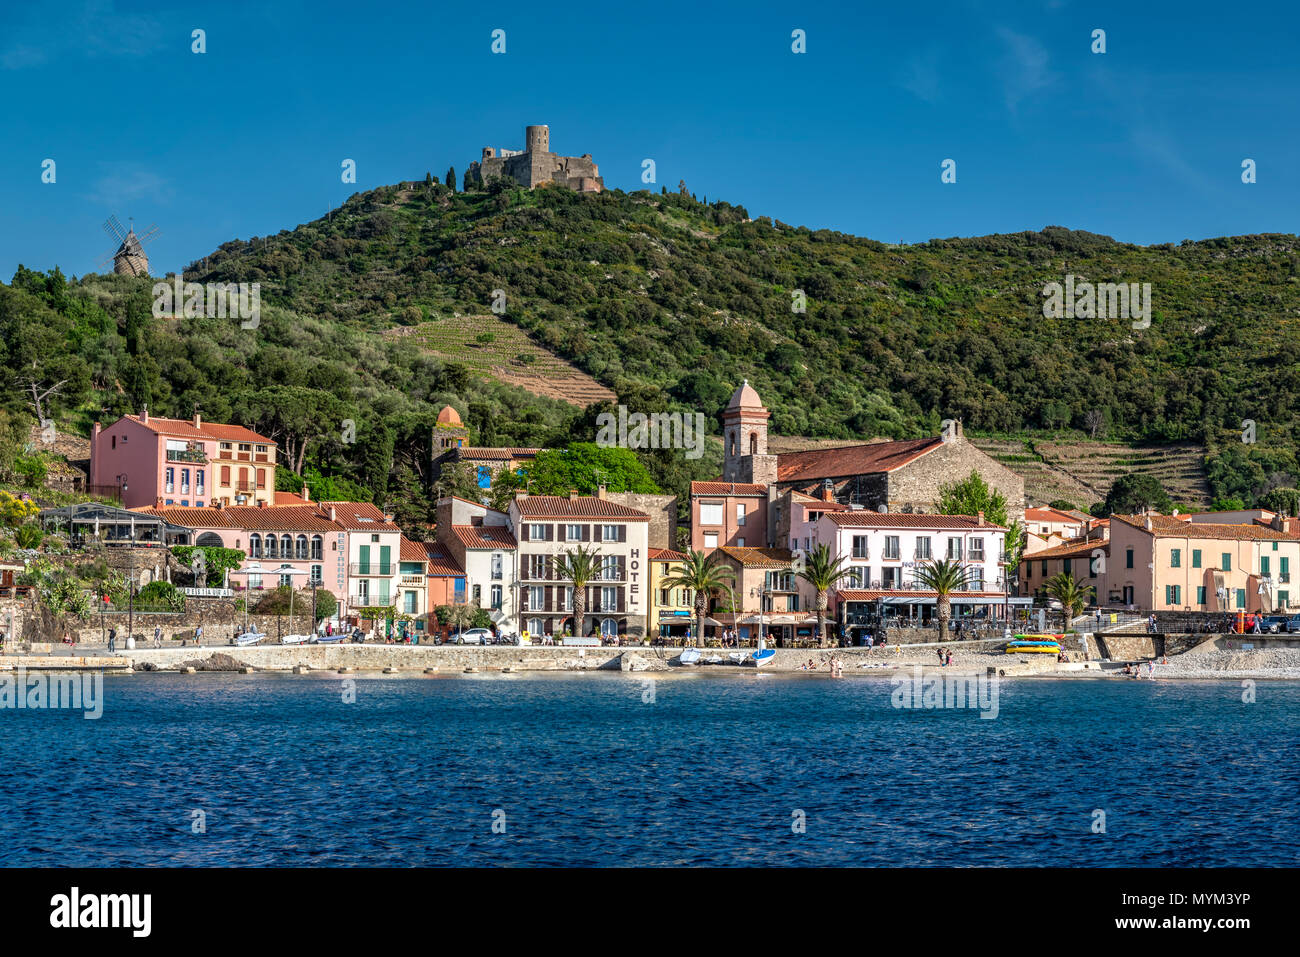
x: 608, y: 769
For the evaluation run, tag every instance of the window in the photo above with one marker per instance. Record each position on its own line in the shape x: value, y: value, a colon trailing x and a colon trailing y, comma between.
x: 317, y: 544
x: 169, y: 479
x: 860, y: 547
x: 710, y: 539
x: 225, y: 475
x: 1284, y: 568
x: 892, y: 552
x: 1227, y: 562
x: 889, y: 577
x: 496, y: 570
x: 1200, y: 594
x: 272, y: 547
x: 1283, y: 598
x: 740, y: 515
x: 1128, y: 558
x: 478, y: 591
x: 609, y: 568
x: 534, y: 626
x: 1067, y: 566
x: 1044, y: 568
x: 859, y: 576
x: 496, y: 597
x: 185, y: 481
x: 976, y: 553
x: 198, y: 482
x: 537, y: 532
x: 1263, y: 566
x: 254, y: 581
x: 611, y: 533
x: 565, y: 598
x: 664, y: 596
x: 923, y: 547
x: 254, y: 546
x: 1173, y: 594
x: 411, y: 600
x: 954, y: 549
x: 536, y: 597
x: 710, y: 513
x: 1196, y: 558
x: 573, y: 533
x: 1241, y: 598
x: 740, y: 543
x: 1176, y: 558
x: 286, y: 546
x: 608, y: 598
x: 261, y: 478
x: 286, y: 581
x: 300, y: 548
x: 975, y: 581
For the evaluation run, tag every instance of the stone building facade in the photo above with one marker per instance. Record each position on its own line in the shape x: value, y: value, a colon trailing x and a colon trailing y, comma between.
x: 536, y: 165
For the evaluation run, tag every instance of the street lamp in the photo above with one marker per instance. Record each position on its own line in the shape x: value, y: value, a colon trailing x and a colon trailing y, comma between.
x: 287, y: 571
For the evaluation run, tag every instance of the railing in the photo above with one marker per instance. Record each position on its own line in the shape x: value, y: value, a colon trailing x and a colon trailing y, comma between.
x: 864, y: 553
x: 415, y: 580
x: 196, y: 456
x: 372, y: 601
x: 243, y: 486
x: 378, y: 569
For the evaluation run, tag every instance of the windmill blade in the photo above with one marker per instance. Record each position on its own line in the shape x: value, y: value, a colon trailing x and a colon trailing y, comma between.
x: 149, y: 234
x: 113, y: 227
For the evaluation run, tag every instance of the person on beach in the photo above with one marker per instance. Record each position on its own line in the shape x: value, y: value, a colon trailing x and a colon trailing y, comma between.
x: 198, y: 636
x: 112, y: 638
x: 948, y: 660
x: 157, y: 636
x: 940, y: 650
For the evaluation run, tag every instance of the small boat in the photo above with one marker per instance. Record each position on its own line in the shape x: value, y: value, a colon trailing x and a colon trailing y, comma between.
x: 689, y: 656
x: 713, y: 660
x: 294, y: 639
x: 249, y: 638
x: 764, y: 656
x: 737, y: 657
x: 1034, y: 644
x: 326, y: 639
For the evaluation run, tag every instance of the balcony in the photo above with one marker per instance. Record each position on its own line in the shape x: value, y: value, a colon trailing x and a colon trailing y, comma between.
x: 372, y: 601
x: 413, y: 581
x: 923, y: 555
x: 195, y: 456
x: 373, y: 569
x: 861, y: 553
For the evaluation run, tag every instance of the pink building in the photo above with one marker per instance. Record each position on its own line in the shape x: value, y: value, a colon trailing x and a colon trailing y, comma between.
x: 728, y: 514
x: 150, y: 461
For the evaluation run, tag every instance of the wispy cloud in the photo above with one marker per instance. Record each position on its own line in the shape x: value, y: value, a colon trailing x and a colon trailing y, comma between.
x: 920, y: 76
x: 93, y: 28
x: 124, y: 183
x: 1024, y: 66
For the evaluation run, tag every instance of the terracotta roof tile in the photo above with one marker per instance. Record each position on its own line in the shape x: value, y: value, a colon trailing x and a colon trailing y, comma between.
x: 584, y: 506
x: 495, y: 454
x: 192, y: 516
x: 861, y: 518
x: 280, y: 518
x: 728, y: 488
x: 357, y: 516
x: 666, y: 555
x: 1074, y: 548
x: 1169, y: 527
x: 851, y: 459
x: 484, y: 536
x: 409, y: 551
x: 753, y: 557
x: 441, y: 564
x: 212, y: 431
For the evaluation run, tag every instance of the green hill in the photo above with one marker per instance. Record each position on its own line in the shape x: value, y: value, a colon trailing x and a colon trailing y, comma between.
x: 669, y: 302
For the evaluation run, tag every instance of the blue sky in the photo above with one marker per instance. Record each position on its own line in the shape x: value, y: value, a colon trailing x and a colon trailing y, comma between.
x: 1144, y: 142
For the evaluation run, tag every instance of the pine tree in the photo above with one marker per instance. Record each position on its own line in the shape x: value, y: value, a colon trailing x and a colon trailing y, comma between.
x: 451, y: 178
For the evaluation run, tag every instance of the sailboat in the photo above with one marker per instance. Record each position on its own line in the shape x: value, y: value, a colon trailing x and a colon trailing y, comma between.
x: 764, y: 655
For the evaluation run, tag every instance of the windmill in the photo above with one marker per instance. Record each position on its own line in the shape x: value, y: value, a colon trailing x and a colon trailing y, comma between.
x: 129, y: 260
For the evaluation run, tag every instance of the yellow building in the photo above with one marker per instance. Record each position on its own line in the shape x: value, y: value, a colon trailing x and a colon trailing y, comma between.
x: 672, y: 613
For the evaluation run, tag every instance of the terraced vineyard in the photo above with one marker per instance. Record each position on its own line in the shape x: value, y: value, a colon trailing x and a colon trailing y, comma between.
x: 509, y: 356
x: 1082, y: 472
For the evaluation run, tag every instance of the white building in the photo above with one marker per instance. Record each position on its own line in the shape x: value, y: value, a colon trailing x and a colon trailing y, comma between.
x: 481, y: 540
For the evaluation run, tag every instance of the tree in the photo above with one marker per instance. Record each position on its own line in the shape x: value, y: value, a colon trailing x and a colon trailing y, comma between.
x: 971, y: 496
x: 943, y: 577
x: 28, y: 536
x: 1073, y: 595
x: 451, y: 178
x: 459, y: 479
x: 578, y: 566
x: 216, y: 561
x: 1135, y: 492
x: 583, y: 467
x: 704, y: 577
x: 162, y: 595
x: 823, y: 573
x: 1017, y: 541
x: 1286, y: 501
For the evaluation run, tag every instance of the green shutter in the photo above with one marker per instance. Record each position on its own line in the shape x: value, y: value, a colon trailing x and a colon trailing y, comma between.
x: 365, y: 560
x: 1196, y: 558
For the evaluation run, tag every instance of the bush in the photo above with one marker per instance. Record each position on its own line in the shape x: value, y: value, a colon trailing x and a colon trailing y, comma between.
x: 29, y: 536
x: 162, y: 595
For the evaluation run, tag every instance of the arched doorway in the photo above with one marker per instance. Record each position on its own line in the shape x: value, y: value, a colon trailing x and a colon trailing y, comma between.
x: 209, y: 540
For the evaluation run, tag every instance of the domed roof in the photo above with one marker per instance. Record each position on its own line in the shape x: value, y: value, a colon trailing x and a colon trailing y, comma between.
x: 448, y: 416
x: 745, y: 398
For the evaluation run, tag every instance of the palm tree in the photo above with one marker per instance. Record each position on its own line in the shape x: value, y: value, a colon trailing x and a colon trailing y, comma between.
x: 823, y: 573
x: 578, y: 566
x: 703, y: 576
x: 942, y: 577
x: 1072, y: 595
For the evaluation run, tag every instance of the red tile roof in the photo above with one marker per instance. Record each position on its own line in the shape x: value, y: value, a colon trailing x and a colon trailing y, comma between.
x: 584, y: 506
x: 212, y: 431
x: 728, y: 488
x: 441, y: 564
x: 290, y: 498
x: 861, y: 518
x: 495, y: 454
x: 484, y: 536
x: 851, y: 459
x: 1169, y: 527
x: 753, y: 557
x: 357, y: 516
x: 409, y: 551
x: 1071, y: 549
x: 1050, y: 515
x: 280, y: 518
x: 191, y: 516
x: 666, y: 555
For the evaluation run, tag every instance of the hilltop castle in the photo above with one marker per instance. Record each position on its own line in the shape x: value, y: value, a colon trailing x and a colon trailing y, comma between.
x: 536, y: 165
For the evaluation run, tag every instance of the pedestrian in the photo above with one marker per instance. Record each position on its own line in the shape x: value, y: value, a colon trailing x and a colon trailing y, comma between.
x: 948, y: 660
x: 157, y: 636
x: 198, y: 636
x: 112, y: 639
x: 940, y: 650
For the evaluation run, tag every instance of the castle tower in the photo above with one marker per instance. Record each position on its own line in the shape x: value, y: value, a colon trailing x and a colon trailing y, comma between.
x: 744, y: 437
x: 449, y: 434
x: 537, y: 139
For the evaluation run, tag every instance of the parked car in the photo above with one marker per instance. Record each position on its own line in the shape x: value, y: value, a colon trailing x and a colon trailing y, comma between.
x: 1274, y: 623
x: 1293, y: 623
x: 475, y: 636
